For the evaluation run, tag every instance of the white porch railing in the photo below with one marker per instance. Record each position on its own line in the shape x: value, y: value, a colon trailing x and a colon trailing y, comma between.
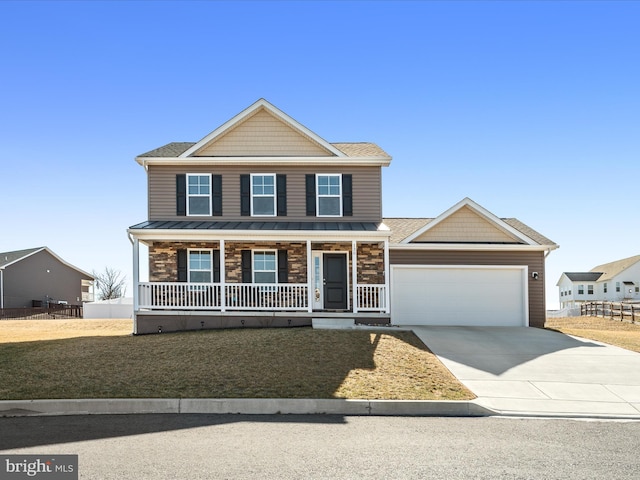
x: 206, y: 296
x: 245, y: 296
x: 179, y: 295
x: 266, y: 296
x: 371, y: 298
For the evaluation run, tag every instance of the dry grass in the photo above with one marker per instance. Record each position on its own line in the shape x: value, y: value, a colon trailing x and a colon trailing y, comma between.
x: 101, y: 360
x: 614, y: 332
x: 35, y: 330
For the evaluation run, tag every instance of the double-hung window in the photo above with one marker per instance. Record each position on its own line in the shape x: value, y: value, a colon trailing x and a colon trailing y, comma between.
x: 198, y: 194
x: 617, y: 286
x: 589, y: 289
x: 200, y: 266
x: 329, y: 195
x: 580, y: 289
x: 263, y: 195
x: 265, y: 267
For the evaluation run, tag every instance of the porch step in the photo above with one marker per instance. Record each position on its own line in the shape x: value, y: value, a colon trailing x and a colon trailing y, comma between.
x: 333, y: 323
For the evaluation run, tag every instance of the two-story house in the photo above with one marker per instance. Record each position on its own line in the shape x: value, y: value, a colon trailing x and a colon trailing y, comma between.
x: 265, y: 223
x: 617, y: 281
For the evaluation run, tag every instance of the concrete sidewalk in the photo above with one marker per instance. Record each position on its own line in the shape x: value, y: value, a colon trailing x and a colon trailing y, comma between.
x: 534, y: 372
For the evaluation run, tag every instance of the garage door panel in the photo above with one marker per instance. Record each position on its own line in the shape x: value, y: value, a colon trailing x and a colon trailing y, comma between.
x: 458, y: 296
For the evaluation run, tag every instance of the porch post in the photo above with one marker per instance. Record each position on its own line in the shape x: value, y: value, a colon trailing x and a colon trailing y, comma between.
x: 309, y: 278
x: 223, y: 283
x: 354, y: 274
x: 387, y: 282
x: 136, y: 281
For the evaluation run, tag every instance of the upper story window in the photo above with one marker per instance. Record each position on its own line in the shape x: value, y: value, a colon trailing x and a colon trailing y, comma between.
x: 605, y: 287
x: 589, y: 289
x: 200, y: 266
x: 263, y: 195
x: 329, y: 195
x: 198, y: 194
x: 580, y: 289
x: 637, y: 287
x: 617, y: 286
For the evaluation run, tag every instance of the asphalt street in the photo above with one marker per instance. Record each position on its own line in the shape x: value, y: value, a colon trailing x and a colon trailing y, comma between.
x: 197, y: 447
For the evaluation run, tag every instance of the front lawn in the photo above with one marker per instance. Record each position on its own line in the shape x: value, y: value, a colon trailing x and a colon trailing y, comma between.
x: 99, y: 359
x: 614, y: 332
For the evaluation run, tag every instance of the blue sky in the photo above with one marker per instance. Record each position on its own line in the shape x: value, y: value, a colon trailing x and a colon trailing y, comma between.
x: 531, y: 109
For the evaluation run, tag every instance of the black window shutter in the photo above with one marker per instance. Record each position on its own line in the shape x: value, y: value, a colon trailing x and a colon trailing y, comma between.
x: 181, y: 194
x: 216, y: 266
x: 182, y: 265
x: 245, y: 195
x: 281, y: 189
x: 311, y: 195
x: 283, y: 267
x: 246, y: 267
x: 216, y: 193
x: 347, y: 195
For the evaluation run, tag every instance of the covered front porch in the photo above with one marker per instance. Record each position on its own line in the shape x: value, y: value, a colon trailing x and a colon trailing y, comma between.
x: 233, y: 278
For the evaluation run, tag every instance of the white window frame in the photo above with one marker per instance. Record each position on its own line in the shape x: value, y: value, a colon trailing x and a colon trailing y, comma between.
x: 318, y: 195
x: 580, y: 289
x: 273, y: 195
x: 199, y: 195
x: 189, y: 269
x: 589, y: 289
x: 254, y: 270
x: 617, y: 287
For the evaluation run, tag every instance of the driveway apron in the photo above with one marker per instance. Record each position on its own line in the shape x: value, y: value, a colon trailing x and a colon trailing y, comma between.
x: 531, y: 371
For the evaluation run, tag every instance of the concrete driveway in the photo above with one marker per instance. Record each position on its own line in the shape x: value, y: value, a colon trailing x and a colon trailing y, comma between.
x: 531, y: 371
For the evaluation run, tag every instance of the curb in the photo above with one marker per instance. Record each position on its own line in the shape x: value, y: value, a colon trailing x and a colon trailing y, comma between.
x: 246, y: 406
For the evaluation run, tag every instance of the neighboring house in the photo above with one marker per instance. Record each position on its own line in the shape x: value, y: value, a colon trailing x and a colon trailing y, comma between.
x: 38, y: 277
x: 617, y: 281
x: 264, y: 223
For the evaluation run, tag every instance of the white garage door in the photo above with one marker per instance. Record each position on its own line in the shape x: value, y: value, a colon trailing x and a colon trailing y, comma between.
x: 459, y: 295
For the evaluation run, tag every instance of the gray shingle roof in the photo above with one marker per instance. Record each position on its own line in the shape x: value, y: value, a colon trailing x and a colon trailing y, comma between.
x: 169, y: 150
x: 175, y: 149
x: 583, y: 276
x: 10, y: 257
x: 360, y: 149
x: 401, y: 228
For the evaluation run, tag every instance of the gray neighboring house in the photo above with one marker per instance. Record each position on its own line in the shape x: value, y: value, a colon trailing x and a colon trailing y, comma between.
x: 38, y: 277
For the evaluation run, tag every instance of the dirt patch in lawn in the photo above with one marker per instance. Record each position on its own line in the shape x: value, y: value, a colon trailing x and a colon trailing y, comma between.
x: 240, y: 363
x: 614, y: 332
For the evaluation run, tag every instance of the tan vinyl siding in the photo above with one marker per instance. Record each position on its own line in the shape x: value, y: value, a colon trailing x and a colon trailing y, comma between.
x: 367, y: 192
x: 465, y: 226
x: 534, y: 260
x: 262, y: 134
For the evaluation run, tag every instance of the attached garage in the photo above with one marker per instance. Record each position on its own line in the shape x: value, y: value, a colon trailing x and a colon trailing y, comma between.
x: 463, y: 295
x: 466, y: 267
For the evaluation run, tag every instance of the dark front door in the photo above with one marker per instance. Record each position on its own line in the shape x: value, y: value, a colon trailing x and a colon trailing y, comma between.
x: 335, y: 281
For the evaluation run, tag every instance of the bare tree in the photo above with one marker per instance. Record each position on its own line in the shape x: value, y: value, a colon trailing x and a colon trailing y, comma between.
x: 110, y: 284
